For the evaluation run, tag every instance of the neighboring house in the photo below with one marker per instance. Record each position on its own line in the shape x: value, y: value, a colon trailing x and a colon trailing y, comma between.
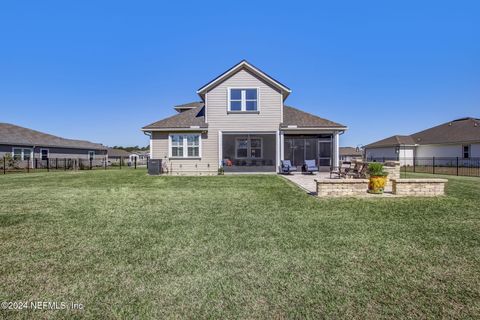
x: 458, y: 138
x: 350, y: 154
x: 141, y: 156
x: 115, y: 155
x: 26, y: 144
x: 242, y: 125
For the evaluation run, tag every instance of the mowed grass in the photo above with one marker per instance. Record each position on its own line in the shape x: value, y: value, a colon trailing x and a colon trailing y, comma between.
x: 127, y: 245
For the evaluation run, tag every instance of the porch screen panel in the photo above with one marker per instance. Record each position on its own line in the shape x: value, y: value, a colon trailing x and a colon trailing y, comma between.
x: 298, y: 152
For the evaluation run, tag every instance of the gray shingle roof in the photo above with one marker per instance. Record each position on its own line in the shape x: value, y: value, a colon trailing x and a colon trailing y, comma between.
x: 196, y: 117
x: 117, y: 153
x: 350, y: 151
x: 456, y: 131
x: 295, y: 117
x: 392, y: 141
x: 186, y: 119
x: 15, y: 135
x: 187, y: 106
x: 460, y: 130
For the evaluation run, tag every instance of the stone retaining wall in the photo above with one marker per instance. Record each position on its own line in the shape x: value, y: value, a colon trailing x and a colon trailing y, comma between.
x: 341, y: 187
x: 393, y: 169
x: 419, y: 187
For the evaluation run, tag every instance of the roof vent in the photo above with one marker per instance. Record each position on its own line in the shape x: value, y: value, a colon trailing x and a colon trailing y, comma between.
x: 450, y: 124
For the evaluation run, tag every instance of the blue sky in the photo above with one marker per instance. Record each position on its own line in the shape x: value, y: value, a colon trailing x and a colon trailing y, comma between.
x: 100, y: 70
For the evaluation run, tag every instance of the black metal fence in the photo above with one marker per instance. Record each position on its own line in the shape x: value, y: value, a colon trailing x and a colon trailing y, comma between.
x: 437, y: 165
x: 11, y: 165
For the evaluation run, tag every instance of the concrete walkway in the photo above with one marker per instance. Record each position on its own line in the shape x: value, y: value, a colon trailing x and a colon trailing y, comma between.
x: 307, y: 181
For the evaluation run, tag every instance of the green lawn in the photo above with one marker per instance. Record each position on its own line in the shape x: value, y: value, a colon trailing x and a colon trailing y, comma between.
x: 127, y: 245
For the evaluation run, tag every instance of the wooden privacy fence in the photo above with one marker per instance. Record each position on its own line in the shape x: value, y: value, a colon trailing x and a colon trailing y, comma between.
x: 11, y: 165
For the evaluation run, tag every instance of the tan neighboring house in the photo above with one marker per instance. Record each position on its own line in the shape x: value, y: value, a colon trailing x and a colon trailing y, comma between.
x: 26, y: 145
x: 242, y: 124
x: 117, y: 155
x: 350, y: 154
x: 454, y: 139
x: 140, y: 155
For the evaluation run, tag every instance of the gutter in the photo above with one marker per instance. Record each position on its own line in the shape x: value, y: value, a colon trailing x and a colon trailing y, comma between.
x: 343, y: 129
x: 195, y: 129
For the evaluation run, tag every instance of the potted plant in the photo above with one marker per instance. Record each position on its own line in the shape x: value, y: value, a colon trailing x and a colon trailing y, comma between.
x: 378, y: 178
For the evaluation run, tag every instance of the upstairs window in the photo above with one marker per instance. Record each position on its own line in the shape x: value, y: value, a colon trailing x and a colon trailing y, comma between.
x: 245, y: 100
x: 466, y: 151
x: 185, y: 146
x: 91, y: 155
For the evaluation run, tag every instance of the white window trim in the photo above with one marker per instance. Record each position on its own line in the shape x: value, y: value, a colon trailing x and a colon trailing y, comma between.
x: 185, y: 145
x: 244, y: 107
x: 48, y: 153
x: 93, y: 158
x: 22, y: 154
x: 249, y: 148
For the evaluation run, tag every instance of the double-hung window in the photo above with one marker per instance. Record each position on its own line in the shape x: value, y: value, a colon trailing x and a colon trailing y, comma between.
x: 91, y: 155
x: 245, y: 100
x: 248, y: 148
x: 466, y: 151
x: 185, y: 146
x: 22, y: 154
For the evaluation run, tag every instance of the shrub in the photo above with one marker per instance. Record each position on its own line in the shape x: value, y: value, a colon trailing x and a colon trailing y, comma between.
x: 376, y: 169
x: 9, y: 162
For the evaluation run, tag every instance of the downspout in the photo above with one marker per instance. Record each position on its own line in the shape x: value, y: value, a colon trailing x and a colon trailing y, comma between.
x: 149, y: 133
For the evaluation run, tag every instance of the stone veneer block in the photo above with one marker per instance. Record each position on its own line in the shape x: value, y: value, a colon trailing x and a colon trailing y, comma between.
x: 341, y: 187
x: 419, y: 187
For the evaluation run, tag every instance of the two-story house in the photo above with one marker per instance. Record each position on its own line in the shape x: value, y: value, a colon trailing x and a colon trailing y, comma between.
x: 242, y: 124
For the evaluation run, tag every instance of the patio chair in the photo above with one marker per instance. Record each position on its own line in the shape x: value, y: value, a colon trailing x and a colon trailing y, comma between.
x: 362, y: 174
x: 286, y: 167
x: 360, y: 171
x: 309, y: 166
x: 342, y: 171
x: 355, y: 170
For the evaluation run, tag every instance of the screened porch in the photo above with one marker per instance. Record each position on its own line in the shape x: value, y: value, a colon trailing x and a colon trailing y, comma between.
x: 301, y: 147
x: 249, y: 152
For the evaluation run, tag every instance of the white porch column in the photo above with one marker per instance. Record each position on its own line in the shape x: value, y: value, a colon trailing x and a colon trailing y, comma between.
x: 278, y: 153
x: 282, y: 145
x: 220, y: 148
x: 336, y: 149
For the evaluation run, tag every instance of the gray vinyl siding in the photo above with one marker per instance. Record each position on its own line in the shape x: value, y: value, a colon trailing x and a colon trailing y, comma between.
x: 270, y: 106
x: 268, y: 118
x: 55, y: 152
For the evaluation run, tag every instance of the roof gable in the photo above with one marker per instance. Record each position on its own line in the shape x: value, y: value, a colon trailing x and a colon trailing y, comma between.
x: 249, y: 67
